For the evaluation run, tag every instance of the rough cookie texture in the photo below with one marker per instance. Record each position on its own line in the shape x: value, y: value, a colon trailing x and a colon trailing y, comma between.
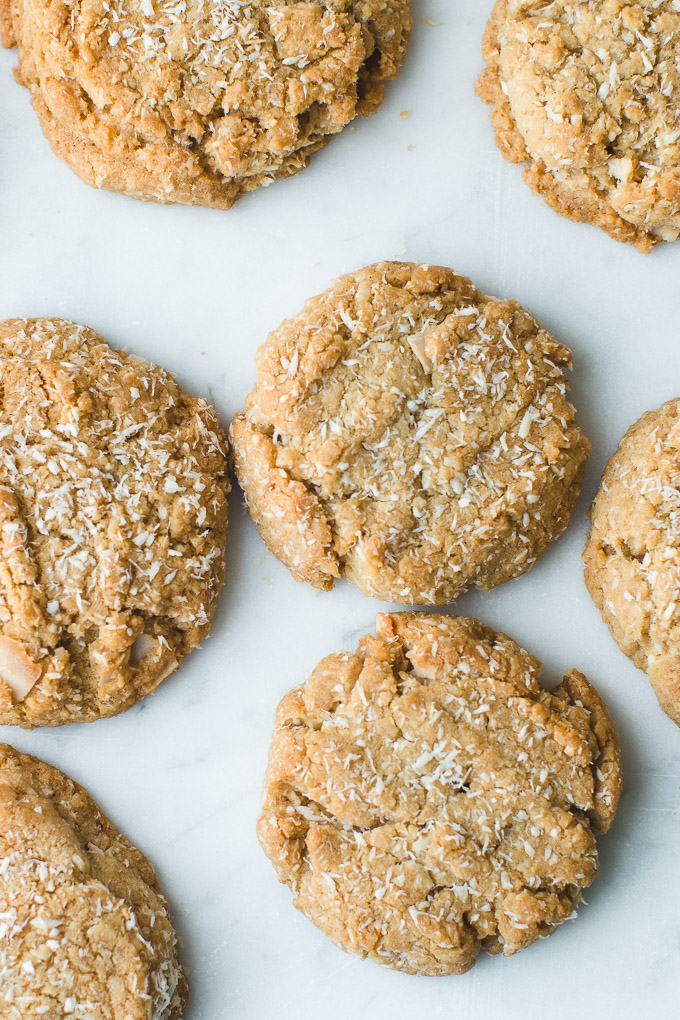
x: 84, y: 928
x: 426, y: 799
x: 586, y: 93
x: 113, y: 518
x: 410, y: 434
x: 200, y: 101
x: 632, y: 556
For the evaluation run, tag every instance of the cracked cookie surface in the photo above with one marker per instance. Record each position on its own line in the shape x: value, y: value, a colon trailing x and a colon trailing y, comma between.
x: 410, y: 434
x: 426, y: 799
x: 586, y: 93
x: 113, y: 518
x: 199, y: 102
x: 632, y: 556
x: 84, y: 929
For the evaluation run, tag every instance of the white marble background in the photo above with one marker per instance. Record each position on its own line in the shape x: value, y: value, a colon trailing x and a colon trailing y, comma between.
x: 198, y: 290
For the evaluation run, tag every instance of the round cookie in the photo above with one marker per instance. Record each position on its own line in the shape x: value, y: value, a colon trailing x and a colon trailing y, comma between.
x: 113, y: 518
x: 199, y: 102
x: 426, y: 799
x: 84, y: 929
x: 632, y: 556
x: 586, y: 93
x: 410, y: 434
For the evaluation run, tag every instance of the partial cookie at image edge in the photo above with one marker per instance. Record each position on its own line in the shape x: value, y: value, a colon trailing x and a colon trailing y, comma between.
x: 113, y: 517
x: 632, y: 554
x: 200, y: 105
x: 70, y: 877
x: 564, y: 105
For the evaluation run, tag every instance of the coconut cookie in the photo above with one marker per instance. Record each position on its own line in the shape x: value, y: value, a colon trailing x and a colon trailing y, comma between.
x: 84, y: 929
x: 632, y: 557
x: 426, y: 799
x: 113, y: 518
x: 586, y: 93
x: 200, y: 101
x: 410, y: 434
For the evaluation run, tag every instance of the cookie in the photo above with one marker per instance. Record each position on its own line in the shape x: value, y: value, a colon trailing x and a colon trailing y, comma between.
x: 586, y: 94
x: 410, y: 434
x: 632, y: 556
x: 199, y: 102
x: 113, y: 518
x: 426, y: 799
x: 84, y: 927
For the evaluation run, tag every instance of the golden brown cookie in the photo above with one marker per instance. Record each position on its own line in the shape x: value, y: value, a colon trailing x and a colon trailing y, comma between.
x: 410, y: 434
x: 632, y: 556
x: 586, y: 93
x: 200, y: 101
x: 84, y: 929
x: 113, y: 517
x: 426, y: 799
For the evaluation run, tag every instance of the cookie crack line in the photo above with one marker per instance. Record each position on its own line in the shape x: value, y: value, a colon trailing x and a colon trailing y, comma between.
x: 405, y: 429
x: 421, y: 871
x: 430, y: 494
x: 417, y: 424
x: 460, y: 783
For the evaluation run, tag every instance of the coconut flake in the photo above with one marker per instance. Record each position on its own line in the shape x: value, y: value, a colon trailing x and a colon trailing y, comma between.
x: 18, y: 671
x: 141, y: 647
x: 621, y: 168
x: 170, y: 668
x: 417, y: 345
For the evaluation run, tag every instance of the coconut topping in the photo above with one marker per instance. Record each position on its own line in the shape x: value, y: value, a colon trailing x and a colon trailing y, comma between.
x: 410, y: 434
x: 109, y: 577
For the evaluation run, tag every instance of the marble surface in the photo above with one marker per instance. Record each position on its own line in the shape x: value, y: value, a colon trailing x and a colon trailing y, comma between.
x: 198, y: 290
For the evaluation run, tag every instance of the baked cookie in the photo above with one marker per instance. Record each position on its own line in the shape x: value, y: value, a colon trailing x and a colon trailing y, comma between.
x: 84, y: 929
x: 113, y: 517
x: 632, y: 556
x: 586, y: 93
x: 410, y: 434
x: 200, y: 101
x: 426, y: 799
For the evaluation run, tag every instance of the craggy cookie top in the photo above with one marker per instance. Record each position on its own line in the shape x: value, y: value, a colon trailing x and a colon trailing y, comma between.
x: 426, y: 799
x: 587, y: 92
x: 113, y: 517
x: 199, y: 101
x: 410, y: 434
x: 632, y: 556
x: 84, y: 928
